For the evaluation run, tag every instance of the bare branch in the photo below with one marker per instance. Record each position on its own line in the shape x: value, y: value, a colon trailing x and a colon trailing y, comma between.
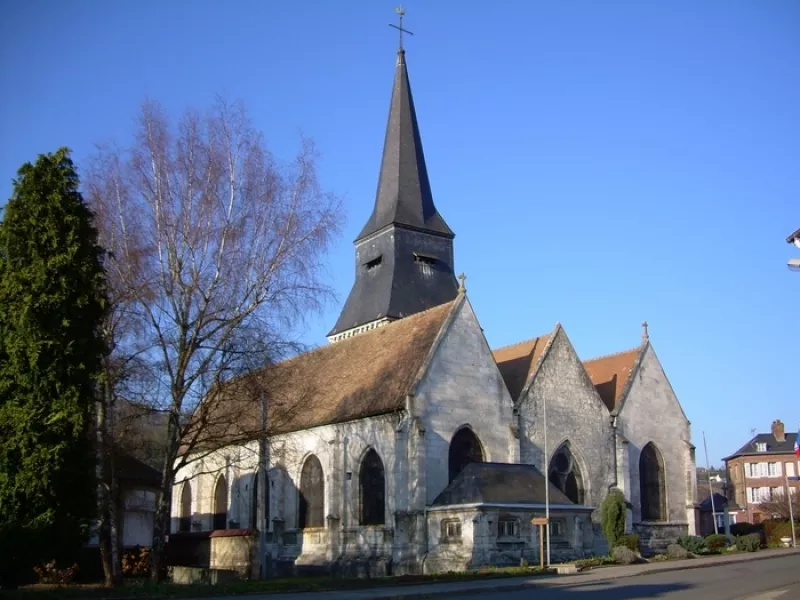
x: 216, y: 255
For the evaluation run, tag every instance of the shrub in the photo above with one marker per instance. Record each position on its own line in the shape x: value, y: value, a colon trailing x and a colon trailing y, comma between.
x: 659, y: 557
x: 693, y: 543
x: 623, y: 555
x: 677, y: 552
x: 612, y: 517
x: 716, y: 542
x: 738, y: 529
x: 630, y: 540
x: 775, y: 530
x: 50, y: 573
x: 594, y: 561
x: 748, y: 543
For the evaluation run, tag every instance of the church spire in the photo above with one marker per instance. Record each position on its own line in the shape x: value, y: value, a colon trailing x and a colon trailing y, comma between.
x: 404, y: 193
x: 404, y: 254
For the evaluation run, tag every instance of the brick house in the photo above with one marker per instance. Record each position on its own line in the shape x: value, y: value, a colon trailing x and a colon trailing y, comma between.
x: 761, y: 471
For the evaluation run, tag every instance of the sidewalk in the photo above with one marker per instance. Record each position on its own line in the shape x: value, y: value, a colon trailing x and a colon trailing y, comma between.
x: 431, y: 590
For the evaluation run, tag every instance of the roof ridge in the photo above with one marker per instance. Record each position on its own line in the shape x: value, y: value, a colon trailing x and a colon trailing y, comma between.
x: 612, y: 354
x: 528, y: 341
x: 348, y: 340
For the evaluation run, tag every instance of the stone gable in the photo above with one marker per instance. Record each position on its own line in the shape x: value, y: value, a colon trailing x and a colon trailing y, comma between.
x: 651, y: 413
x: 462, y: 387
x: 575, y: 413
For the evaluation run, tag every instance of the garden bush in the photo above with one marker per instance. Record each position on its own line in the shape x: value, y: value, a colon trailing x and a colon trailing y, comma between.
x: 693, y: 543
x: 738, y: 529
x: 716, y: 542
x: 630, y: 540
x: 748, y: 543
x: 51, y: 573
x: 623, y: 555
x: 775, y: 530
x: 612, y: 518
x: 677, y: 552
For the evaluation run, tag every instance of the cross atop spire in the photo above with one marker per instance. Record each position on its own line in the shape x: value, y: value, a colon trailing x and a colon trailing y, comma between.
x: 401, y: 13
x: 645, y: 333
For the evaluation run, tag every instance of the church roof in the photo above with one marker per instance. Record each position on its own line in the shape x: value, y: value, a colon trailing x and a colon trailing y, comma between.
x: 499, y: 483
x: 367, y: 375
x: 519, y: 361
x: 610, y: 375
x: 404, y: 192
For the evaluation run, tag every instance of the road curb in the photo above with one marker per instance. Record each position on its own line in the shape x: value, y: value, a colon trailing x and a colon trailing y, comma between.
x: 573, y: 580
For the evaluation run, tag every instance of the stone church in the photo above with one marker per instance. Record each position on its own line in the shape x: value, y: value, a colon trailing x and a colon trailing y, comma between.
x: 415, y: 447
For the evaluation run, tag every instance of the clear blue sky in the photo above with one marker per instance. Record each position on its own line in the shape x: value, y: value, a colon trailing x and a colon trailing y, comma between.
x: 601, y: 163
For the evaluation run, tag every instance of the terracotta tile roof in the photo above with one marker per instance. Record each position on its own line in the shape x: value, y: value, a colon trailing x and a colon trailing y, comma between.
x: 366, y: 375
x: 518, y: 362
x: 609, y: 374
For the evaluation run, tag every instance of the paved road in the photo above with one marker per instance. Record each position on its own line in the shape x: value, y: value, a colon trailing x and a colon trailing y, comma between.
x: 775, y: 579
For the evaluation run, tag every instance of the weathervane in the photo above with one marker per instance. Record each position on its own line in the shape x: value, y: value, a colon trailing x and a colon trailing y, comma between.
x: 401, y: 13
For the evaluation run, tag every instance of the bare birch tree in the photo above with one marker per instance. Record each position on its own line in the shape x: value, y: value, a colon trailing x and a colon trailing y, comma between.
x: 218, y: 251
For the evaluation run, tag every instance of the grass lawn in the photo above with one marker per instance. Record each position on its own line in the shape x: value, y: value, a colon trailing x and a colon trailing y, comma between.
x: 144, y: 589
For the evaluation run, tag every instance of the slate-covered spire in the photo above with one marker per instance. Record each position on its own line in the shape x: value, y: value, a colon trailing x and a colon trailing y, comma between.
x: 404, y: 254
x: 404, y: 193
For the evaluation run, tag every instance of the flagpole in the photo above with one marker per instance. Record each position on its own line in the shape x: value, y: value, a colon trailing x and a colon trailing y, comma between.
x: 546, y: 482
x: 791, y: 508
x: 710, y: 489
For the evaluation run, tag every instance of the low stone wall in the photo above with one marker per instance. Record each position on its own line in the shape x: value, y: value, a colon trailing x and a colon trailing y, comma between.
x: 213, y: 556
x: 655, y: 537
x: 234, y: 550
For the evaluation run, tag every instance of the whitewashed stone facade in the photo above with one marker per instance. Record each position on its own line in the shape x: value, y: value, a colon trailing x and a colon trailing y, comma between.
x: 458, y: 387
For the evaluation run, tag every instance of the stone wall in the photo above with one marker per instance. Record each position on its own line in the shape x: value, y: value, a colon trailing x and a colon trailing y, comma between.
x: 485, y: 542
x: 575, y: 414
x: 651, y: 413
x: 462, y: 388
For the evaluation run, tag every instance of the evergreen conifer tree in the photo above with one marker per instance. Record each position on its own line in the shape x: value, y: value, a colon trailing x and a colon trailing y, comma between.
x: 52, y: 302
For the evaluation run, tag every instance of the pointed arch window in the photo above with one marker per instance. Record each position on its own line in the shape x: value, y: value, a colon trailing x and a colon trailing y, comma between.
x: 221, y: 503
x: 465, y: 448
x: 372, y: 483
x: 312, y: 494
x: 185, y: 521
x: 565, y: 473
x: 652, y: 484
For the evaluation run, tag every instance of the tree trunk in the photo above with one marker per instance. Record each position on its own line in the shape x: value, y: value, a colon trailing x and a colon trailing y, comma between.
x: 106, y: 498
x: 103, y: 503
x: 161, y: 526
x: 115, y: 511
